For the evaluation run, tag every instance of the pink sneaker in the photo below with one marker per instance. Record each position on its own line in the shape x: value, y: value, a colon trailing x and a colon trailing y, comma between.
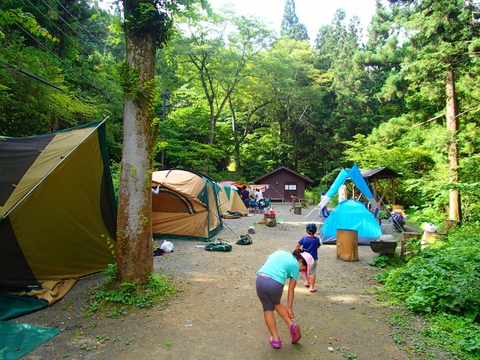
x: 295, y: 333
x: 276, y: 344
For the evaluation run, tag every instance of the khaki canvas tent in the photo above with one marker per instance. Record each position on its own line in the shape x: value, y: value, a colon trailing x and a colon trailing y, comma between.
x: 186, y: 206
x: 57, y: 206
x: 230, y: 201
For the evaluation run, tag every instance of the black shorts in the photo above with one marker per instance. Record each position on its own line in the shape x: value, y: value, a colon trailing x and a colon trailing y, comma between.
x: 269, y: 292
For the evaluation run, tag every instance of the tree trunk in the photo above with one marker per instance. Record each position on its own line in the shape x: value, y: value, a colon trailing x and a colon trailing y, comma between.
x: 452, y: 127
x: 236, y: 143
x: 134, y: 245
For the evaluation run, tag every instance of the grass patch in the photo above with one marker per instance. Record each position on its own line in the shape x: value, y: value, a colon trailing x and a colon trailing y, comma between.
x: 117, y: 299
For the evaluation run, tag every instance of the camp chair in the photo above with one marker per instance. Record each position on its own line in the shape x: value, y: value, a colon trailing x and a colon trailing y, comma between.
x: 261, y: 204
x: 252, y: 205
x: 325, y: 212
x: 267, y: 202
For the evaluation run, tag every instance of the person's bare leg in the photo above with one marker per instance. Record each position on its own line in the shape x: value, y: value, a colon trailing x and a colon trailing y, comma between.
x: 271, y: 324
x: 283, y: 312
x: 312, y: 282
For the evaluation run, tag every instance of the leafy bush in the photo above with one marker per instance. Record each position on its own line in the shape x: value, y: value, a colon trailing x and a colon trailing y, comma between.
x: 460, y: 334
x: 383, y: 261
x: 442, y: 278
x: 114, y: 299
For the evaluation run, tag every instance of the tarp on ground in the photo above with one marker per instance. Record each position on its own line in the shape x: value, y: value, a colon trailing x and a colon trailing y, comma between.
x: 13, y: 306
x: 19, y: 339
x: 350, y: 215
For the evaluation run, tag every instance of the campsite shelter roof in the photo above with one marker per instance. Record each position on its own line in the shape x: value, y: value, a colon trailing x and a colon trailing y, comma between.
x: 285, y: 184
x: 279, y: 169
x: 380, y: 173
x: 383, y: 185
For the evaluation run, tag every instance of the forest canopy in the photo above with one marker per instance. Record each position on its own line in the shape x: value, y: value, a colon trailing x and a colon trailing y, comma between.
x: 231, y: 94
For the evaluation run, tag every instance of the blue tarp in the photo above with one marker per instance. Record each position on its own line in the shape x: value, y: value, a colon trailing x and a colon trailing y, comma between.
x: 12, y: 306
x: 19, y: 339
x: 351, y: 215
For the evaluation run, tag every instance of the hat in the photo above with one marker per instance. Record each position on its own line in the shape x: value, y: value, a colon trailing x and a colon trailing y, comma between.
x: 311, y: 228
x: 309, y: 259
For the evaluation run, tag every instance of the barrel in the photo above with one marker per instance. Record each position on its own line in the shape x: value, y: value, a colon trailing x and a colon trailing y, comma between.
x: 347, y: 245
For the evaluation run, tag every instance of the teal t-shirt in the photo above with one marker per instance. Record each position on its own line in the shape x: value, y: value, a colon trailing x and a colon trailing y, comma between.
x: 280, y: 266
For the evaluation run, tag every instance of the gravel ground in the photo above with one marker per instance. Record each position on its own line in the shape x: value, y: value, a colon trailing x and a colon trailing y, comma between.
x: 217, y: 315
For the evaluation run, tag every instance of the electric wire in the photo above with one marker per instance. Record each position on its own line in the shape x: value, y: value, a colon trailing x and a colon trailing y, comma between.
x: 81, y: 26
x: 81, y: 38
x: 88, y: 81
x: 38, y: 78
x: 56, y: 26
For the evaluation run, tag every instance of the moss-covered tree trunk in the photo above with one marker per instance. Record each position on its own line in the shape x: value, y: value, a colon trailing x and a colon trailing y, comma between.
x: 134, y: 244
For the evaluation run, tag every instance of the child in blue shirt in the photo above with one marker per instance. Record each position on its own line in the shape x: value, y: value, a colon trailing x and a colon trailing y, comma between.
x: 310, y: 243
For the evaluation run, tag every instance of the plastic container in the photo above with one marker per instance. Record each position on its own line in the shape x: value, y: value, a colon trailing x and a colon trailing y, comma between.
x: 271, y: 211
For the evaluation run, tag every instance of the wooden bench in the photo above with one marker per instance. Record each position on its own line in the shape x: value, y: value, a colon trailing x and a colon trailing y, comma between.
x: 448, y: 226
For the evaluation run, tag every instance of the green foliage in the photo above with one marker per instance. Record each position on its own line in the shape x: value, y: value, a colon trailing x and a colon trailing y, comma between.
x: 460, y: 334
x: 291, y: 27
x: 442, y: 278
x: 413, y: 246
x: 27, y: 20
x: 116, y: 299
x: 348, y: 355
x: 380, y: 261
x: 384, y: 261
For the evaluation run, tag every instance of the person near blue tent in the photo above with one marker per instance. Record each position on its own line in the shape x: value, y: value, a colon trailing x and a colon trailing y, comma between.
x: 310, y: 243
x: 323, y: 211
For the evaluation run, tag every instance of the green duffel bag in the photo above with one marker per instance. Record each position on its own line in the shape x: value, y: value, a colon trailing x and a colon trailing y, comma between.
x: 244, y: 240
x: 218, y: 246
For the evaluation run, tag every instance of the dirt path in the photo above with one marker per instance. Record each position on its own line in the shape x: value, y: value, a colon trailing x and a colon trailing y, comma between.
x: 218, y: 316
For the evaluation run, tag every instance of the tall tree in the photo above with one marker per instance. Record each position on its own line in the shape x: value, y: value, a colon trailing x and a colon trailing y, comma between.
x: 292, y: 85
x: 219, y: 56
x: 147, y: 25
x: 441, y: 33
x: 291, y: 28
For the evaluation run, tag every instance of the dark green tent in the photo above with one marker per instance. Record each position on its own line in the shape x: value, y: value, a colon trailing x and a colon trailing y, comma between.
x: 57, y: 206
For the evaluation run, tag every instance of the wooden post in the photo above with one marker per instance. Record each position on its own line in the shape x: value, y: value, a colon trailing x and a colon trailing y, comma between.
x: 347, y: 245
x: 404, y: 248
x: 270, y: 220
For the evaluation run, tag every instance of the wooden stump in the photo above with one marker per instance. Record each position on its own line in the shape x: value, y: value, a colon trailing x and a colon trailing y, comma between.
x: 297, y: 209
x: 405, y: 250
x: 347, y: 245
x: 270, y: 220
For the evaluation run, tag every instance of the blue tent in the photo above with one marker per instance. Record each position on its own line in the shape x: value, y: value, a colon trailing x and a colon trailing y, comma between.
x: 356, y: 176
x: 350, y: 215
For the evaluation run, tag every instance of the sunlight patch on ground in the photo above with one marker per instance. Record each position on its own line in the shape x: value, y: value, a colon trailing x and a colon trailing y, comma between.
x: 349, y: 299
